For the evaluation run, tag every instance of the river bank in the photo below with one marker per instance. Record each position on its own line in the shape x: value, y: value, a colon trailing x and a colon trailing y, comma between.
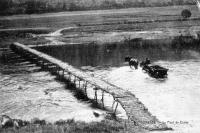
x: 62, y: 126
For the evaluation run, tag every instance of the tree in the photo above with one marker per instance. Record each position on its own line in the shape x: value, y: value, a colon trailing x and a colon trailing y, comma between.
x: 5, y: 4
x: 186, y: 13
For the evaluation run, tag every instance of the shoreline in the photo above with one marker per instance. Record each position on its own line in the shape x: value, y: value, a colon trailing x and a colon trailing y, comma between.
x: 64, y: 126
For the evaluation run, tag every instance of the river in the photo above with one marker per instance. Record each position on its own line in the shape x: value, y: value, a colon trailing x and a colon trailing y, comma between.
x: 174, y: 100
x: 28, y: 92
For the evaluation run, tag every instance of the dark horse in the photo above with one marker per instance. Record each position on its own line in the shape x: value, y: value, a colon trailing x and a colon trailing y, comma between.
x: 132, y: 62
x: 146, y: 62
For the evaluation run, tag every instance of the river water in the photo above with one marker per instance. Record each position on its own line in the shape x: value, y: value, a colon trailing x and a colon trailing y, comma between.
x: 27, y: 92
x: 174, y: 100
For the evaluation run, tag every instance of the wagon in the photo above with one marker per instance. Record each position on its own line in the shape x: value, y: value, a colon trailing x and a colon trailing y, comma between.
x: 155, y: 71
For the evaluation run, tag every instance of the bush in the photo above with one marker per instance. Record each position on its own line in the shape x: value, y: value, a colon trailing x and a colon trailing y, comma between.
x: 5, y: 4
x: 38, y: 121
x: 33, y: 6
x: 186, y: 13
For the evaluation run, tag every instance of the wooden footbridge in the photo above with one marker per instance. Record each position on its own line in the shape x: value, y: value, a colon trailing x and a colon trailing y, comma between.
x: 136, y: 112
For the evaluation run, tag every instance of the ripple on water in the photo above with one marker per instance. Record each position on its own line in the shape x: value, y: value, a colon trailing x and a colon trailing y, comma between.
x: 22, y: 96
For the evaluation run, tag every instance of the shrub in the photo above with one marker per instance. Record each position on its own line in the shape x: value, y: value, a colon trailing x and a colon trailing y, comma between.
x: 5, y: 4
x: 186, y: 13
x: 38, y: 121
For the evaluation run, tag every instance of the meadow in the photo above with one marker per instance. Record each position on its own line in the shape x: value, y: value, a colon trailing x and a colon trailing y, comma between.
x: 10, y: 7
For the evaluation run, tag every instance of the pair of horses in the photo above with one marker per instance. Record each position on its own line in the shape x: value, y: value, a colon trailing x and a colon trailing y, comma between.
x: 135, y: 63
x: 132, y: 62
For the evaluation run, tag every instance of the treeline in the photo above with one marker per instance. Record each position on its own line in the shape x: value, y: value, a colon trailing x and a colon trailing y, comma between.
x: 9, y: 7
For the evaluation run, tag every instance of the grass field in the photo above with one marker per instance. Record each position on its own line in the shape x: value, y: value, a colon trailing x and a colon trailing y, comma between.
x: 104, y: 25
x: 10, y: 7
x: 87, y: 19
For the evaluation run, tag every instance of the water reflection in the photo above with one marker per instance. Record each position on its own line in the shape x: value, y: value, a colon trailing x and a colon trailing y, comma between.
x: 113, y: 54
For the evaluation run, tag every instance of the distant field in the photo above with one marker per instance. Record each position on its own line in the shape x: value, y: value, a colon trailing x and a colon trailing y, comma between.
x: 10, y: 7
x: 131, y: 17
x: 90, y: 25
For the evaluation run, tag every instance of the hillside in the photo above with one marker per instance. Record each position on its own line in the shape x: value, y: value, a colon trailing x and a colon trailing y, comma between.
x: 9, y: 7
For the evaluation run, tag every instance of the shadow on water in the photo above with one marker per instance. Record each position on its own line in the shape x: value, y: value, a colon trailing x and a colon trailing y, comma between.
x: 79, y: 93
x: 16, y: 64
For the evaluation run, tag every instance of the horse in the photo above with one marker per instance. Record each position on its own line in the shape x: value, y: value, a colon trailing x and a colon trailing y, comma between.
x: 145, y: 63
x: 132, y: 62
x: 7, y: 122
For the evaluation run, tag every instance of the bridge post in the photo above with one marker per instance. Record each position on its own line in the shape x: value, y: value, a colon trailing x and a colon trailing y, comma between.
x: 74, y: 80
x: 95, y: 96
x: 69, y: 76
x: 85, y: 88
x: 63, y: 73
x: 116, y: 108
x: 113, y: 103
x: 79, y: 83
x: 102, y: 99
x: 42, y: 64
x: 53, y: 69
x: 57, y: 70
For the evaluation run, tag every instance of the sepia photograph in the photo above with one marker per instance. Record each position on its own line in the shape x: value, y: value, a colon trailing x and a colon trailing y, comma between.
x: 99, y: 66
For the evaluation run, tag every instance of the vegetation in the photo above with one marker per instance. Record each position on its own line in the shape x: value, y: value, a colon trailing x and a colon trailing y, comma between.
x: 9, y: 7
x: 70, y: 126
x: 186, y: 13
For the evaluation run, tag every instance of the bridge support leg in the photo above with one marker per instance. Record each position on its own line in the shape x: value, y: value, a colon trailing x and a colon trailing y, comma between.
x: 95, y: 95
x: 42, y: 63
x: 113, y: 103
x: 102, y: 99
x: 45, y: 66
x: 57, y: 70
x: 85, y: 88
x: 53, y: 70
x: 75, y: 80
x: 79, y: 83
x: 61, y: 74
x: 116, y: 108
x: 69, y: 76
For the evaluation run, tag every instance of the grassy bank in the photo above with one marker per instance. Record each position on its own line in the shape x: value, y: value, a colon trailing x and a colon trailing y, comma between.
x: 71, y: 126
x: 9, y: 7
x: 25, y: 36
